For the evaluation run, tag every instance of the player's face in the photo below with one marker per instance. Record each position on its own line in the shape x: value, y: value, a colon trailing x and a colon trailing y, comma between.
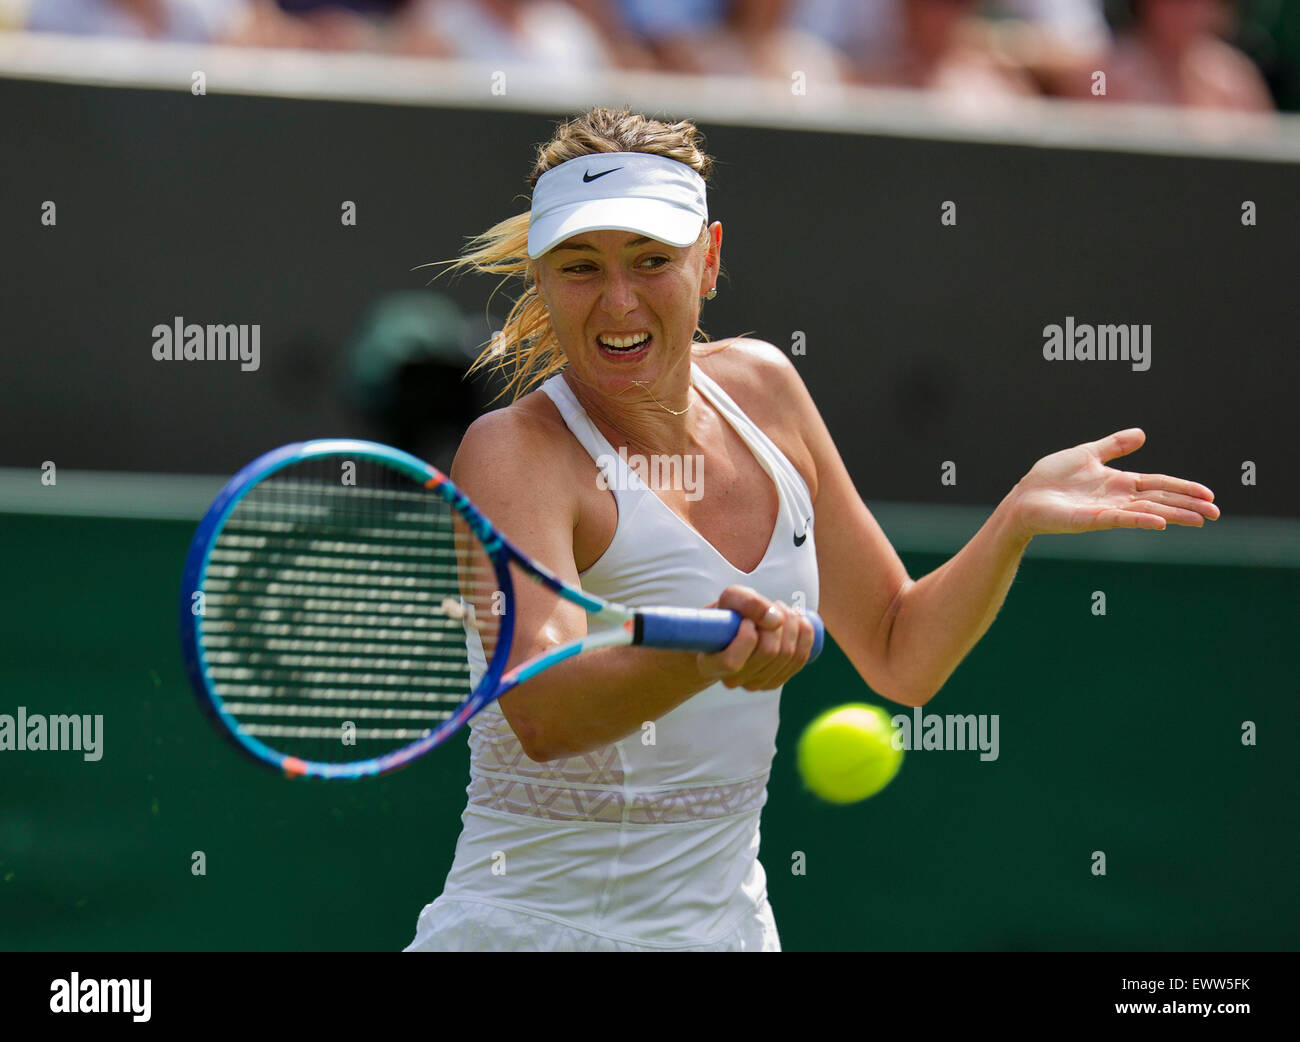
x: 640, y: 293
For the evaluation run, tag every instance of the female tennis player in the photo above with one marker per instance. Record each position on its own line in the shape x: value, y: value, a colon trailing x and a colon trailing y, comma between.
x: 614, y: 800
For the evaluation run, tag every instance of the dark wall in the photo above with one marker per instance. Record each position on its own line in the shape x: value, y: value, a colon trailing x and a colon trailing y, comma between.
x: 924, y: 343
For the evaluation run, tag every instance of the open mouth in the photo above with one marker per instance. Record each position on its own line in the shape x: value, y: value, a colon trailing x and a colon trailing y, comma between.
x: 624, y: 347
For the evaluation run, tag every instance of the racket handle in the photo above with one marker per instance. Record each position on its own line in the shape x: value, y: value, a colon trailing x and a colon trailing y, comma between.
x: 704, y: 629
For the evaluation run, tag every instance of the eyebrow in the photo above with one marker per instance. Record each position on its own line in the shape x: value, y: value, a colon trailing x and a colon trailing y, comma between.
x: 585, y: 246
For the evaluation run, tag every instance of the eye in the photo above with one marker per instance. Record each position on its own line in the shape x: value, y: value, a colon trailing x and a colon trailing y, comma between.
x: 576, y: 269
x: 656, y: 262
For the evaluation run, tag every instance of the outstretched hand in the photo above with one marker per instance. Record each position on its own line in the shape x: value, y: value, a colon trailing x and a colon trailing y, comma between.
x: 1074, y: 491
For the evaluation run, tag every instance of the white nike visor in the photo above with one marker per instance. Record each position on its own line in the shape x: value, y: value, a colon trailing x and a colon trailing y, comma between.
x: 627, y: 191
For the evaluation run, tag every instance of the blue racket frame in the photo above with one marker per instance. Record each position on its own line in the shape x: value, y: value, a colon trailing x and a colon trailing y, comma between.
x: 498, y: 549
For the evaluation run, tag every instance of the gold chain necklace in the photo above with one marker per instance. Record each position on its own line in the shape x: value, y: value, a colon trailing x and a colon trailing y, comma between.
x: 675, y: 412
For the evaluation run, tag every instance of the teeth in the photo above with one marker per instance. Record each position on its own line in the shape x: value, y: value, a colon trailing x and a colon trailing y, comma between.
x: 624, y: 342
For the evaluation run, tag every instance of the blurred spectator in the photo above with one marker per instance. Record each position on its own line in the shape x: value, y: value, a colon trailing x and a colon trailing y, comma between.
x: 626, y: 50
x: 1173, y: 52
x: 944, y: 46
x: 683, y: 35
x: 342, y: 25
x: 869, y: 32
x: 1058, y: 43
x: 13, y: 15
x: 1077, y: 25
x: 767, y: 33
x: 512, y: 32
x: 730, y: 38
x: 1024, y: 45
x: 1175, y: 55
x: 183, y: 21
x: 865, y: 32
x: 326, y: 25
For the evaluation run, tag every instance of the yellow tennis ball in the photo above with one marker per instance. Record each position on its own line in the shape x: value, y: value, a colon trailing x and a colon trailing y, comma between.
x: 848, y: 754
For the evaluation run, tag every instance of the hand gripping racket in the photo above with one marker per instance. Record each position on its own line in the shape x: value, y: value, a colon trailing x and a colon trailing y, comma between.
x: 345, y: 609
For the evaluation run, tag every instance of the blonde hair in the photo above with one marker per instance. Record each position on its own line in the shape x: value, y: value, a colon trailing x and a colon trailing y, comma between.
x: 526, y: 351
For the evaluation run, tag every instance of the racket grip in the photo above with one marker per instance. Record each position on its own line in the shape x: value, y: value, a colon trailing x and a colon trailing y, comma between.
x: 704, y: 629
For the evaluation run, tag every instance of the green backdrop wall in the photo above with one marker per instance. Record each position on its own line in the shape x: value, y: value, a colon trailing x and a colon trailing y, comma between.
x: 1118, y: 733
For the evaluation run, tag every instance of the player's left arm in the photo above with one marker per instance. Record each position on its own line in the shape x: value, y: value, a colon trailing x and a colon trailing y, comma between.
x: 1072, y: 491
x: 906, y: 637
x: 903, y: 636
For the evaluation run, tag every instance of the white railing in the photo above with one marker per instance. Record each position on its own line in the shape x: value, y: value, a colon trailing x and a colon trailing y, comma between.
x: 831, y: 107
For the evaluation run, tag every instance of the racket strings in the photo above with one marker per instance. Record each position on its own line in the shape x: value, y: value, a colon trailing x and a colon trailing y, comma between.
x: 348, y: 610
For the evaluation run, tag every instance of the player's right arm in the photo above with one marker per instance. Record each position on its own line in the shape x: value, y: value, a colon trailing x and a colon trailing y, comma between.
x: 511, y: 467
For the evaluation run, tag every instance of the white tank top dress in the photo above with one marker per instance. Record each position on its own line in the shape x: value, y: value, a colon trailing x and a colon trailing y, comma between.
x: 634, y: 846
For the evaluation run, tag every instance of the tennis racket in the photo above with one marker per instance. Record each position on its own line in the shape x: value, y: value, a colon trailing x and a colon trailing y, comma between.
x: 345, y: 609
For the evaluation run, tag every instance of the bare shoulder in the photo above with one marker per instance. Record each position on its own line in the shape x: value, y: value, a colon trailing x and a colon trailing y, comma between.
x: 761, y: 379
x: 504, y: 450
x: 746, y: 366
